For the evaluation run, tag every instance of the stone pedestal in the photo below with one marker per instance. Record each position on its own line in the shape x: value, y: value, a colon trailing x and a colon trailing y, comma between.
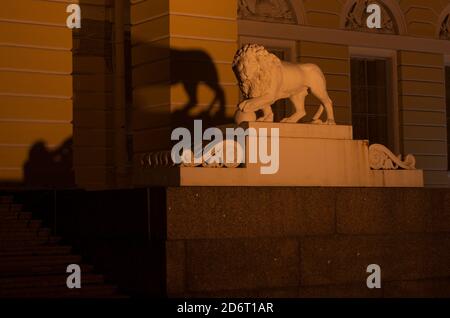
x: 306, y: 242
x: 309, y: 155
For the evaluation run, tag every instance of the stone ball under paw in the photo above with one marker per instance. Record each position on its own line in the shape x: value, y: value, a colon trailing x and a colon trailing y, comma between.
x: 241, y: 117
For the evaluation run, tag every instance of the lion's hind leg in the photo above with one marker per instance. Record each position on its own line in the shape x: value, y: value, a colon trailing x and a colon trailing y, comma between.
x: 319, y: 90
x: 299, y: 103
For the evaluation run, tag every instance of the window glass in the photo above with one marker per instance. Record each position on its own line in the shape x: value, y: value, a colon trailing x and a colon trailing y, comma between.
x: 369, y: 79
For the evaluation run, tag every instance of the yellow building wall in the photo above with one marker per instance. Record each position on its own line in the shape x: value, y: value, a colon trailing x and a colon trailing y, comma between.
x: 93, y: 89
x: 35, y: 81
x: 323, y: 13
x: 176, y: 24
x: 172, y: 43
x: 423, y: 113
x: 150, y: 62
x: 422, y: 16
x: 334, y: 62
x: 44, y: 86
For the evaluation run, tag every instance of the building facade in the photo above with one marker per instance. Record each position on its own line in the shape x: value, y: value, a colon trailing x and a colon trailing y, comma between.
x: 113, y: 90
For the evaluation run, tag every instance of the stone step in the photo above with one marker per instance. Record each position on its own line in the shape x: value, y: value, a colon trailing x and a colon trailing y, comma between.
x: 35, y: 250
x: 6, y: 199
x: 31, y: 265
x: 11, y: 242
x: 14, y: 283
x: 15, y: 215
x: 6, y: 207
x: 19, y: 261
x: 88, y: 291
x: 25, y: 234
x: 17, y: 225
x: 23, y: 226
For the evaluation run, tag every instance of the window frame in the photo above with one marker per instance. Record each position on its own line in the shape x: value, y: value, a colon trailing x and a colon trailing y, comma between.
x: 392, y: 85
x: 447, y: 64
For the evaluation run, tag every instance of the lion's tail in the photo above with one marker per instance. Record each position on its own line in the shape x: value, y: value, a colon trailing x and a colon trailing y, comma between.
x: 318, y: 113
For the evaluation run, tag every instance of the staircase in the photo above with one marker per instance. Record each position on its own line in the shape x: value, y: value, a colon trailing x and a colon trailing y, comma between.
x: 33, y: 262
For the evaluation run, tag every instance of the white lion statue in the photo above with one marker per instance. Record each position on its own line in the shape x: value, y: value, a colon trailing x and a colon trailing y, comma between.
x: 264, y: 79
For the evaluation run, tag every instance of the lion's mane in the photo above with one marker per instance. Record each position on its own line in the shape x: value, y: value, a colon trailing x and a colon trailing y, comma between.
x: 254, y: 83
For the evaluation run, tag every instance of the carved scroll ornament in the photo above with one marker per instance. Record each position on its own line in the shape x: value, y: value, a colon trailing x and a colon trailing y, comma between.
x: 381, y: 158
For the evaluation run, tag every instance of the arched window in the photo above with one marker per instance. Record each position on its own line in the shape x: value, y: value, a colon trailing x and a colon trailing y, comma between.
x: 373, y: 73
x: 355, y: 16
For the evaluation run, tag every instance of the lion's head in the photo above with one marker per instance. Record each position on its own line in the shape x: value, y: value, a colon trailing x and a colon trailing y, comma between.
x: 254, y: 67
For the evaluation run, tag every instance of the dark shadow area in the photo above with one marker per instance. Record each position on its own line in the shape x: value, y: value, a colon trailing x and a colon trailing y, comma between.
x: 157, y: 67
x: 93, y: 95
x: 193, y: 68
x: 121, y: 232
x: 110, y: 229
x: 47, y: 168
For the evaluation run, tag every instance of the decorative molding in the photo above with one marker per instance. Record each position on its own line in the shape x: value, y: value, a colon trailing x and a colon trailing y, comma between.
x: 257, y: 29
x: 381, y: 158
x: 354, y: 17
x: 267, y: 10
x: 300, y: 12
x: 372, y: 52
x: 443, y: 24
x: 357, y: 16
x: 444, y: 31
x: 289, y: 46
x: 163, y: 159
x: 157, y: 159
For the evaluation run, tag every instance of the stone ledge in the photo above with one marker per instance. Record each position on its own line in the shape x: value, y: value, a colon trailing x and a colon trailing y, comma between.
x: 231, y: 212
x: 344, y: 259
x: 306, y: 162
x: 251, y: 177
x: 308, y: 131
x: 389, y: 211
x: 209, y: 212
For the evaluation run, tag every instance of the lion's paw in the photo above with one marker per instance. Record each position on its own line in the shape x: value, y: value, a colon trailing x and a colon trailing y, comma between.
x: 242, y: 106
